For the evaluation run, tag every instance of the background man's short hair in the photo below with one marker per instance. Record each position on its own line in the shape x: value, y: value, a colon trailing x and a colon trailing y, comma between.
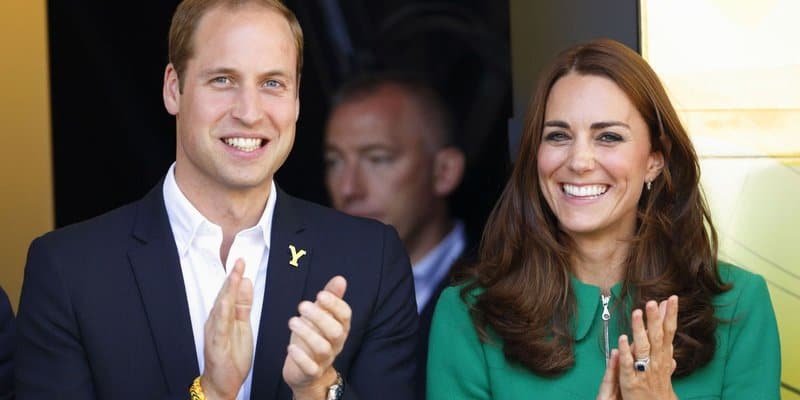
x: 433, y: 109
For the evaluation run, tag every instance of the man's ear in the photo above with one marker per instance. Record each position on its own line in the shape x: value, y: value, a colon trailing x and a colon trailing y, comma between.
x: 297, y: 100
x: 655, y: 164
x: 171, y: 90
x: 448, y: 169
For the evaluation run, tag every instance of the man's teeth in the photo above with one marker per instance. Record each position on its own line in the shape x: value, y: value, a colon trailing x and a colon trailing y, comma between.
x: 584, y: 191
x: 244, y: 144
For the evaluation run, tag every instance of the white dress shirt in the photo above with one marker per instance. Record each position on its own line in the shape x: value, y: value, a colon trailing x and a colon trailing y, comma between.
x: 431, y: 269
x: 199, y: 241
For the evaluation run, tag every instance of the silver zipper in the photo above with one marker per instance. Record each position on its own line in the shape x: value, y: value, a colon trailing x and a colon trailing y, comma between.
x: 606, y: 316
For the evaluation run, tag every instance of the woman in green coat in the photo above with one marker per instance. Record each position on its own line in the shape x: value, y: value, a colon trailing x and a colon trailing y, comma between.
x: 598, y: 274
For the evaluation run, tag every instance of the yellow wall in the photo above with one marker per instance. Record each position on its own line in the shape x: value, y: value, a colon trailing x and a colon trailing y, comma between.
x: 733, y: 71
x: 26, y: 207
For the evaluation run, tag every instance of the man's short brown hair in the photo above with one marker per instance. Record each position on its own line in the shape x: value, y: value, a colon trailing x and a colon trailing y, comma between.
x: 187, y: 17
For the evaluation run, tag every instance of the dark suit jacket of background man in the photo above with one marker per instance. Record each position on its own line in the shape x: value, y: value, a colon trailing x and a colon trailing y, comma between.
x: 466, y: 257
x: 103, y: 312
x: 425, y: 318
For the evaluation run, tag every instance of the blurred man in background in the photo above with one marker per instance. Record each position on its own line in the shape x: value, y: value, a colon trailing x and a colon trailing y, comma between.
x: 389, y: 155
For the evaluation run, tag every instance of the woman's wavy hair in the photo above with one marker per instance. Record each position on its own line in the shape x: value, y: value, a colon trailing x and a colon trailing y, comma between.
x: 523, y: 267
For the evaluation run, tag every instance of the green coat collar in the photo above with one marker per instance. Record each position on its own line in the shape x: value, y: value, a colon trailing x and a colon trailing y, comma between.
x: 588, y: 305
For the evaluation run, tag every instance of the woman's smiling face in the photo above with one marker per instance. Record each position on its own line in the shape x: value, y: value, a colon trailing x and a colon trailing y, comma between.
x: 595, y: 157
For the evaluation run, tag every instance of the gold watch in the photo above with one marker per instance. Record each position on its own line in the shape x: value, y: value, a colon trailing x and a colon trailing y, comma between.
x: 196, y: 391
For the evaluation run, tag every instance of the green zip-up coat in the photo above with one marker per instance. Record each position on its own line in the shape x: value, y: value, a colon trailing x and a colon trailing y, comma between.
x: 746, y: 364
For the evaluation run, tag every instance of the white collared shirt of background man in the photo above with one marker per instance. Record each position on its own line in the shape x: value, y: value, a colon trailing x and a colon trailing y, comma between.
x: 431, y: 269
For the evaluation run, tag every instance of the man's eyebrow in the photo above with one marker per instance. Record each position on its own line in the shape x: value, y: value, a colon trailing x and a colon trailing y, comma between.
x: 276, y: 72
x: 231, y: 71
x: 362, y: 148
x: 374, y: 147
x: 218, y: 71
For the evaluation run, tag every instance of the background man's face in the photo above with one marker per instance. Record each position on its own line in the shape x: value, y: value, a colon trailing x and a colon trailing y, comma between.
x: 237, y: 113
x: 379, y: 164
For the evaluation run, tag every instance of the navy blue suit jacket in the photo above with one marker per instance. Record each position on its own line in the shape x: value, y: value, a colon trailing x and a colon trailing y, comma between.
x: 103, y: 312
x: 425, y: 318
x: 7, y: 345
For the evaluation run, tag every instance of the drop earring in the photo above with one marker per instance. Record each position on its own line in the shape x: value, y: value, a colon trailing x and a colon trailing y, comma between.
x: 649, y: 185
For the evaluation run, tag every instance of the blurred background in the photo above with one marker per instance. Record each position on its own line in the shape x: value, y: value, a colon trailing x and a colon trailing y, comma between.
x: 85, y: 128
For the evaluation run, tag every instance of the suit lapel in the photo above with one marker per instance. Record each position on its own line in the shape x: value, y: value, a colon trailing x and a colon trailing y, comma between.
x: 284, y: 290
x: 156, y: 266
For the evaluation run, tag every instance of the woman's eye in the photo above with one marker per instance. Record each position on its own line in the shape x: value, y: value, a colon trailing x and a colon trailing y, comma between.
x: 610, y: 137
x: 556, y: 136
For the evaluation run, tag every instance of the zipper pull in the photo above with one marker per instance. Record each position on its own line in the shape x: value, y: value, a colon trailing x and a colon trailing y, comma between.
x: 606, y: 313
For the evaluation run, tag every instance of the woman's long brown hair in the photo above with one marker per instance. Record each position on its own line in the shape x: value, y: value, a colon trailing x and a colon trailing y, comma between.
x: 524, y: 259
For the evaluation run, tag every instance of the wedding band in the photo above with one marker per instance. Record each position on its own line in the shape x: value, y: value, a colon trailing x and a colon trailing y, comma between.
x: 641, y: 364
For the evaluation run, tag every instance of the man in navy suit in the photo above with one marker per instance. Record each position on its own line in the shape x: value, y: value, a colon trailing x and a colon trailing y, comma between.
x: 191, y: 289
x: 389, y: 155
